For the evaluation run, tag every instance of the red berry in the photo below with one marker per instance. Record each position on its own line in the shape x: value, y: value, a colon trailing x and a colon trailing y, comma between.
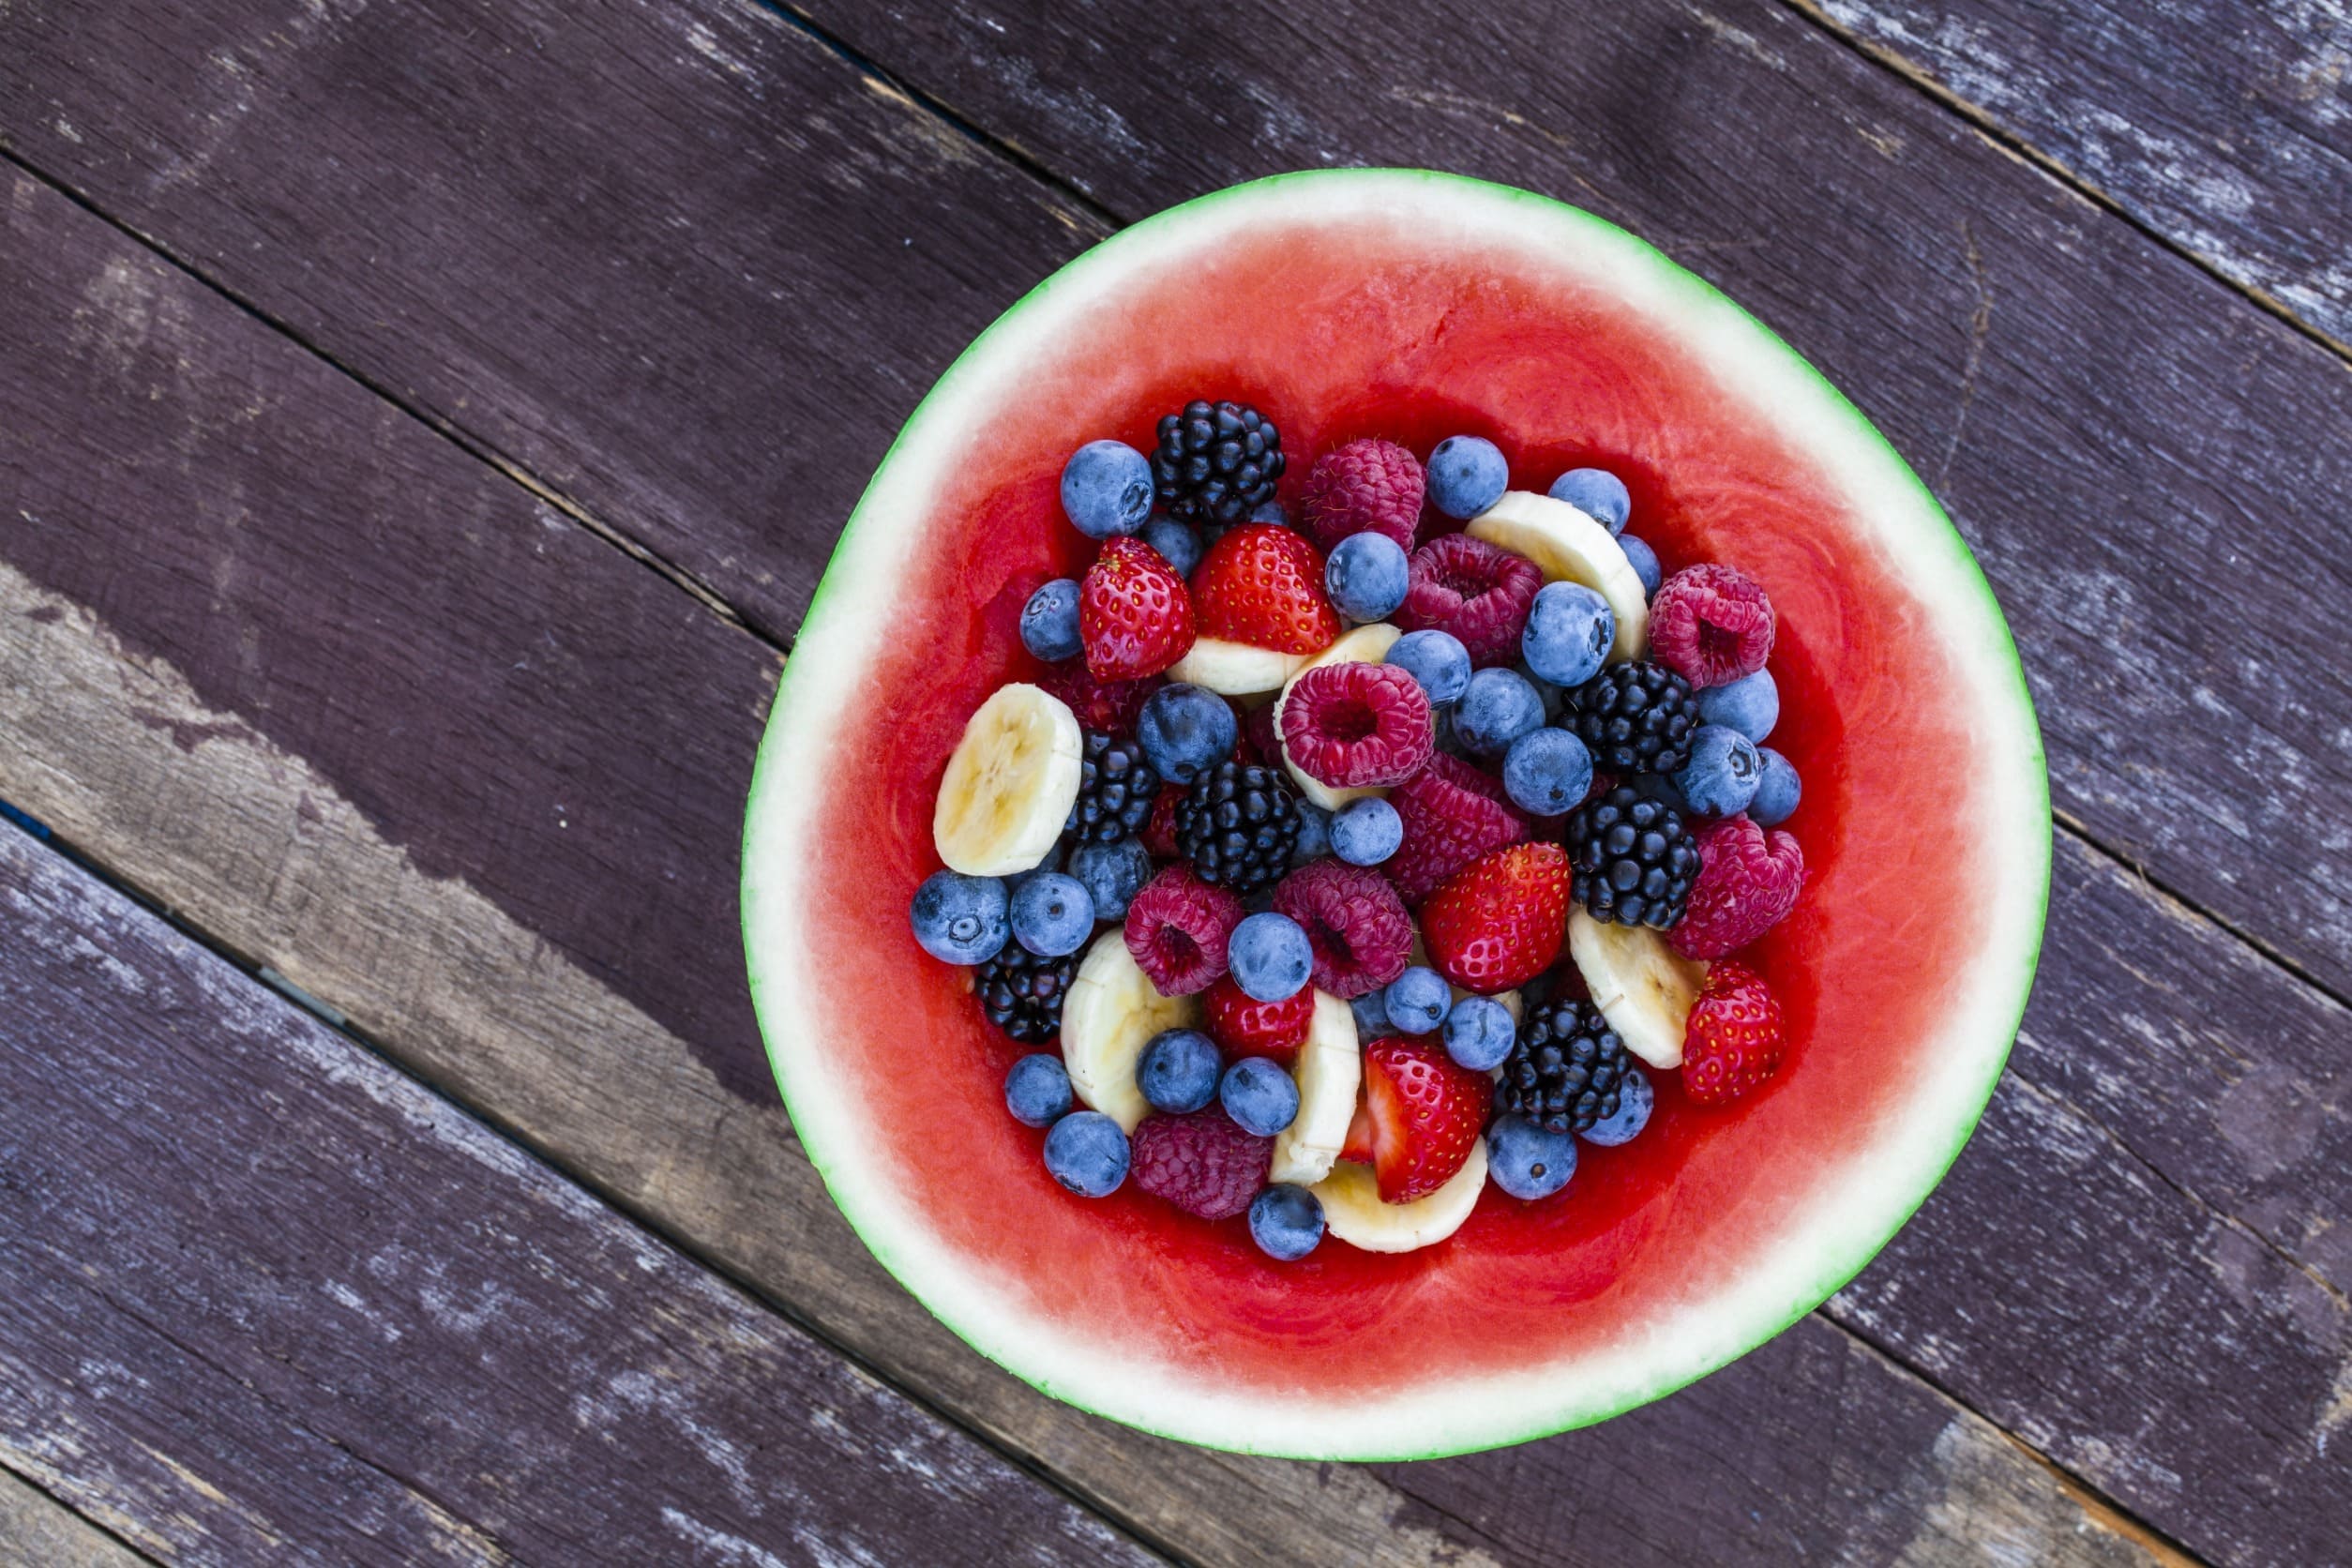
x: 1354, y: 921
x: 1367, y: 485
x: 1499, y: 922
x: 1203, y: 1163
x: 1747, y: 882
x: 1711, y: 624
x: 1452, y: 813
x: 1135, y: 614
x: 1263, y: 585
x: 1247, y: 1027
x: 1479, y: 592
x: 1110, y: 706
x: 1258, y: 729
x: 1735, y: 1038
x: 1159, y: 832
x: 1351, y: 724
x: 1422, y: 1113
x: 1177, y: 929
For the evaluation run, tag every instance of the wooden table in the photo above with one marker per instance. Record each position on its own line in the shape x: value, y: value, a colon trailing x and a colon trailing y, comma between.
x: 421, y: 427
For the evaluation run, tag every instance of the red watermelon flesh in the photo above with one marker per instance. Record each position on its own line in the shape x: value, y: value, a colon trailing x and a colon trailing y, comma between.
x: 1412, y: 319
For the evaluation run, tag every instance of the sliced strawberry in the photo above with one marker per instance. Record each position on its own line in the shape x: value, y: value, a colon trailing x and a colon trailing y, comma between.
x: 1247, y: 1027
x: 1263, y: 585
x: 1499, y: 920
x: 1423, y: 1112
x: 1135, y: 614
x: 1359, y: 1145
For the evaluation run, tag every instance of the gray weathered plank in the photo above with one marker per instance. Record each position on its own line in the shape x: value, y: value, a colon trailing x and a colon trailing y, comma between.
x: 2226, y: 127
x: 268, y: 1298
x: 2096, y: 409
x: 38, y: 1531
x: 106, y: 736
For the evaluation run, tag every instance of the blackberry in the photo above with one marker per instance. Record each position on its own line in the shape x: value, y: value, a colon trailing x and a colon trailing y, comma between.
x: 1238, y: 825
x: 1565, y: 1069
x: 1631, y: 858
x: 1116, y: 788
x: 1022, y: 993
x: 1636, y: 718
x: 1215, y: 461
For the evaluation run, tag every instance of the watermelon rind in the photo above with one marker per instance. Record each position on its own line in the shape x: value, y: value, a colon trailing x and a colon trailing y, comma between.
x: 1822, y: 1248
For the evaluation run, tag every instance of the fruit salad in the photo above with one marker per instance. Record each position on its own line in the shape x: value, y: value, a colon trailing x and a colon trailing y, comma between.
x: 1347, y: 858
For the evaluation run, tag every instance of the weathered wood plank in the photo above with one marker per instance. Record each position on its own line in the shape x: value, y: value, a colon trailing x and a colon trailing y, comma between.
x: 2093, y: 407
x: 38, y: 1531
x: 268, y: 1298
x: 2225, y: 127
x: 254, y: 842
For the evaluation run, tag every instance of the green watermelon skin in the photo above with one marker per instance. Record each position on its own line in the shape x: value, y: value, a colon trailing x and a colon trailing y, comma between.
x: 1411, y: 306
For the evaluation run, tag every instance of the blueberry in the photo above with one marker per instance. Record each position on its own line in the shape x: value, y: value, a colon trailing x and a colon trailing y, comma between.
x: 1634, y: 1099
x: 1434, y: 658
x: 1053, y: 913
x: 1569, y: 631
x: 1186, y: 731
x: 1178, y: 1071
x: 1478, y: 1033
x: 1442, y: 732
x: 1417, y: 1001
x: 1049, y: 620
x: 1286, y: 1222
x: 1554, y: 699
x: 1721, y: 776
x: 959, y: 918
x: 1525, y: 1161
x: 1314, y: 833
x: 1175, y: 542
x: 1598, y: 494
x: 1366, y: 577
x: 1777, y: 789
x: 1499, y: 706
x: 1662, y: 788
x: 1107, y: 489
x: 1038, y: 1091
x: 1750, y: 704
x: 1371, y: 1015
x: 1019, y: 880
x: 1645, y: 562
x: 1366, y: 831
x: 1270, y: 511
x: 1260, y: 1097
x: 1087, y: 1153
x: 1546, y: 772
x: 1467, y: 474
x: 1112, y: 874
x: 1270, y: 957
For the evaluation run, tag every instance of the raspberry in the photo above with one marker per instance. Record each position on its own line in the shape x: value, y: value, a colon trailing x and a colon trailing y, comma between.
x: 1711, y: 624
x: 1367, y: 485
x: 1479, y: 592
x: 1202, y: 1163
x: 1247, y: 1027
x: 1177, y: 929
x: 1452, y: 813
x: 1735, y: 1037
x: 1352, y: 724
x: 1747, y: 882
x: 1110, y: 706
x: 1355, y: 922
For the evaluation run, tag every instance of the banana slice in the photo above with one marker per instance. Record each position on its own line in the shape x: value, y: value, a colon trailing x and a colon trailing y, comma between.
x: 1234, y: 669
x: 1330, y: 1068
x: 1566, y: 545
x: 1009, y: 785
x: 1368, y: 644
x: 1644, y: 988
x: 1110, y: 1014
x: 1354, y: 1213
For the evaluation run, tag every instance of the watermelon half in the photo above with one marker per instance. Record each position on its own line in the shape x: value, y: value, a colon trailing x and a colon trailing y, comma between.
x: 1413, y: 306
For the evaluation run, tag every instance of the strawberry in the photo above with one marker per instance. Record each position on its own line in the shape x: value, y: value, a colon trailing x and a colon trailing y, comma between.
x: 1263, y: 585
x: 1247, y: 1027
x: 1134, y: 615
x: 1735, y: 1037
x: 1499, y: 920
x: 1420, y: 1115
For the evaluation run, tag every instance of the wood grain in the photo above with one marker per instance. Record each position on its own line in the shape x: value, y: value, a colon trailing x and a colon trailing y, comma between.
x: 2225, y: 127
x: 251, y: 840
x: 706, y: 341
x: 37, y: 1529
x: 269, y: 1298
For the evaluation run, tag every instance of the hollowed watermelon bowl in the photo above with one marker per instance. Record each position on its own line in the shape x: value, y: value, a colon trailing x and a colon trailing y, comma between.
x: 1412, y: 305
